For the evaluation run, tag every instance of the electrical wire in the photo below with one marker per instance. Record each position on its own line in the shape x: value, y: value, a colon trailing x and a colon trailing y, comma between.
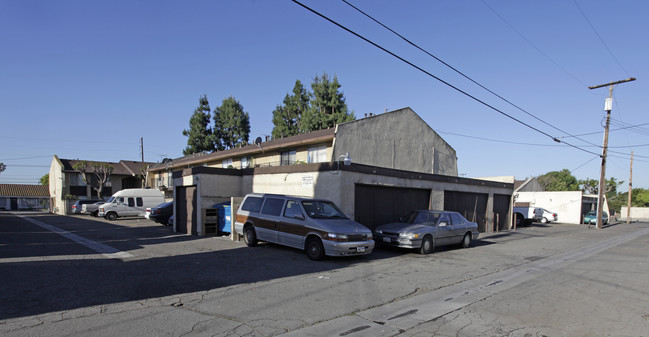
x: 600, y: 38
x: 532, y: 44
x: 461, y: 73
x: 437, y: 78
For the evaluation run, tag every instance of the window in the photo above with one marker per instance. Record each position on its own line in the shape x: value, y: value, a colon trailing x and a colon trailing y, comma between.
x: 76, y: 180
x: 131, y: 202
x: 317, y: 154
x: 245, y: 162
x: 445, y: 218
x: 226, y: 163
x: 456, y: 219
x: 288, y: 158
x: 139, y: 201
x: 252, y: 204
x: 272, y: 206
x: 170, y: 179
x: 293, y: 210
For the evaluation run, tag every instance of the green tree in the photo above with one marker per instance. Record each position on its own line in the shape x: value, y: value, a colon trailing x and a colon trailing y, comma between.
x: 559, y: 181
x: 3, y: 167
x: 199, y: 133
x: 45, y: 180
x: 591, y: 186
x: 101, y: 173
x: 639, y: 198
x: 328, y: 106
x: 231, y: 124
x: 288, y: 116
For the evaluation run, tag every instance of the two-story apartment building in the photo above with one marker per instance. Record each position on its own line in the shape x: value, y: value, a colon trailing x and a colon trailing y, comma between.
x: 66, y: 181
x: 399, y: 163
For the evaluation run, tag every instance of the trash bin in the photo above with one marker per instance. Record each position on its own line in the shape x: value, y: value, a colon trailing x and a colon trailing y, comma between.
x: 224, y: 218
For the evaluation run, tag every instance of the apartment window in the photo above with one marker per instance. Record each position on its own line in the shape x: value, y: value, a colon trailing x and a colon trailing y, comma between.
x: 170, y: 179
x: 317, y: 154
x: 245, y: 162
x: 288, y: 158
x: 76, y: 180
x: 226, y: 163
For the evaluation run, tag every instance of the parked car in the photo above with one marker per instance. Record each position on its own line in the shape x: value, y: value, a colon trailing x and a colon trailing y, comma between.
x: 591, y: 218
x: 160, y: 213
x: 527, y: 215
x: 130, y: 202
x: 315, y: 225
x: 423, y: 230
x: 91, y: 209
x: 549, y: 216
x: 76, y: 207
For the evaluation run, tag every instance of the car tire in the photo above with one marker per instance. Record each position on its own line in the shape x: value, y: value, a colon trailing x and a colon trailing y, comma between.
x: 427, y: 245
x: 314, y: 249
x: 466, y: 241
x: 111, y: 216
x: 518, y: 220
x: 544, y: 220
x: 94, y: 213
x: 249, y: 236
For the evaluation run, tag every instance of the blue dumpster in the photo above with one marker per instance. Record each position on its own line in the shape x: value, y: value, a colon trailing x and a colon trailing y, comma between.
x: 224, y: 219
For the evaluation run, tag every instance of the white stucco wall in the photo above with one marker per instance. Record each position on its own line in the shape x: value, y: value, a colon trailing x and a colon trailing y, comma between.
x: 637, y: 213
x: 567, y: 204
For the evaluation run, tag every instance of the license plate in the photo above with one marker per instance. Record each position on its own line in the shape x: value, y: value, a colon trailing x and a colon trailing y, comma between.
x: 388, y: 240
x: 360, y: 249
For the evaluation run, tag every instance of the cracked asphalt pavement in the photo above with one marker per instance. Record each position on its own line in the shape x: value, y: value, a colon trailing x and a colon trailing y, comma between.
x: 542, y: 280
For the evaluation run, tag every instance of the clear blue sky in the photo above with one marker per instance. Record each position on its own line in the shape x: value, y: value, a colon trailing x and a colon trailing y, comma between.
x: 87, y: 79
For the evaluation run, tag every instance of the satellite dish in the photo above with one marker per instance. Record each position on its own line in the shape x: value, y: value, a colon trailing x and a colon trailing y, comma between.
x: 258, y: 140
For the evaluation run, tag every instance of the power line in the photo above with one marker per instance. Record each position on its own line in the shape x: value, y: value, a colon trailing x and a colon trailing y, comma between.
x: 532, y: 44
x: 598, y: 132
x: 600, y: 38
x: 435, y: 77
x: 459, y: 72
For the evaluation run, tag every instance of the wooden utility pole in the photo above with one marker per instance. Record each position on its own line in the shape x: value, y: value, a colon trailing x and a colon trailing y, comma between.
x: 628, y: 207
x: 142, y: 147
x: 608, y: 106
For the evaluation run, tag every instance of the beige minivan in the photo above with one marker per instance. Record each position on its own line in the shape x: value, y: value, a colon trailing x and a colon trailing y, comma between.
x: 315, y: 225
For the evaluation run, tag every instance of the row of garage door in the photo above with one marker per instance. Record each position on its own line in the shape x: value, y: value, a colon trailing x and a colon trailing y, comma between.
x: 377, y: 205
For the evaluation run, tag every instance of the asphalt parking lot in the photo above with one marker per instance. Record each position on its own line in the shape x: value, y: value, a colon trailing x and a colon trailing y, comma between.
x: 541, y: 280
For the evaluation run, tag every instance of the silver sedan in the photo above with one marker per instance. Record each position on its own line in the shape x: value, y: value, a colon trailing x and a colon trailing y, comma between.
x: 423, y: 230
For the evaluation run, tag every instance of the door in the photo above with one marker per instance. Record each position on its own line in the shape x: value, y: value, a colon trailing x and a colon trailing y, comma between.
x: 186, y: 215
x: 378, y: 205
x: 291, y: 229
x: 458, y: 228
x: 473, y: 206
x: 13, y: 203
x: 444, y: 230
x: 269, y: 219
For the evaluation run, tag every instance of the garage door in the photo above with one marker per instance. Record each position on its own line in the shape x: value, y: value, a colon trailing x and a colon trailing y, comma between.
x: 185, y: 203
x: 377, y: 205
x: 472, y: 206
x: 501, y: 211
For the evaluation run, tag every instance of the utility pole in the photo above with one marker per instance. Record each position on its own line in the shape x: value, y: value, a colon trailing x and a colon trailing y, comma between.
x: 628, y: 207
x: 608, y: 106
x: 142, y: 147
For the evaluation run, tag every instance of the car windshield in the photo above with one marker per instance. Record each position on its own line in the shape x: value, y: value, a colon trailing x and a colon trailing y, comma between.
x: 416, y: 217
x: 110, y: 200
x: 322, y: 209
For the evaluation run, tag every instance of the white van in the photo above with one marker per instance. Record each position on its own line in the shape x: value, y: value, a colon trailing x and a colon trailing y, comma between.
x: 130, y: 202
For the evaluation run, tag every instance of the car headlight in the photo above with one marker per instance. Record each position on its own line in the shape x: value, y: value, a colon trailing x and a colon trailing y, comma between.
x: 408, y: 235
x: 378, y: 231
x: 369, y: 236
x: 337, y: 237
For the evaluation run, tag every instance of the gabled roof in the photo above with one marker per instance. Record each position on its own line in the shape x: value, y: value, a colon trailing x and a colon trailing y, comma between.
x: 19, y: 190
x: 124, y: 167
x: 250, y: 149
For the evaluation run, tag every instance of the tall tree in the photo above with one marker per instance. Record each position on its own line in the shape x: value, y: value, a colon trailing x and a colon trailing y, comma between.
x: 231, y: 124
x: 591, y: 186
x: 199, y: 133
x: 287, y: 117
x: 101, y: 173
x: 559, y: 181
x: 328, y: 106
x: 45, y: 180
